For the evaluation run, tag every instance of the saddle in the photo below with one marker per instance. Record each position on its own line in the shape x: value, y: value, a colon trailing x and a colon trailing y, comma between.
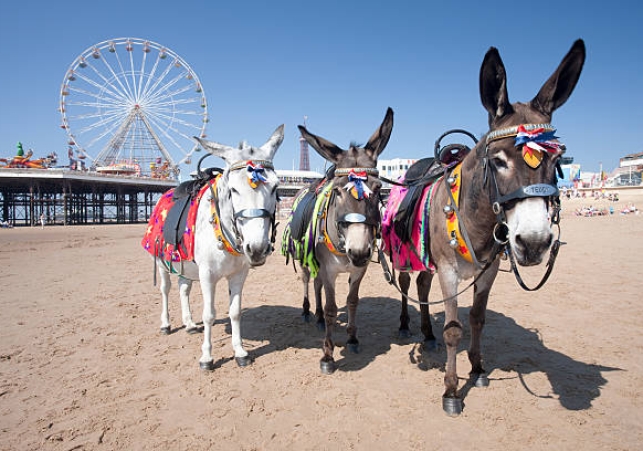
x: 301, y: 215
x: 422, y: 173
x: 177, y: 216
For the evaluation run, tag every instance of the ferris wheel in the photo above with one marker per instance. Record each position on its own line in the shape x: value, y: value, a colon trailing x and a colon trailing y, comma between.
x: 131, y: 105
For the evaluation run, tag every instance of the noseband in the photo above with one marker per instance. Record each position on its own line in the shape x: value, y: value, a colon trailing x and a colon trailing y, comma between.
x: 230, y: 240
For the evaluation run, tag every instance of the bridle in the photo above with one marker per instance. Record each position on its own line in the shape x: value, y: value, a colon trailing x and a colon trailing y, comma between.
x: 539, y: 139
x: 230, y: 240
x: 357, y: 184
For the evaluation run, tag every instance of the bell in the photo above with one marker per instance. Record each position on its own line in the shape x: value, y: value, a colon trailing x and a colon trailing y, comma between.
x: 448, y: 210
x: 451, y: 181
x: 219, y: 245
x: 453, y: 243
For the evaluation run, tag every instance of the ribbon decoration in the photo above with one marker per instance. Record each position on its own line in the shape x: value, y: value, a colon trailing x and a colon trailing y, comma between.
x: 255, y: 174
x: 356, y: 185
x: 535, y: 143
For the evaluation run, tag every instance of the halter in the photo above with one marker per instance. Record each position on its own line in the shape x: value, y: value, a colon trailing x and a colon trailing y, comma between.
x: 230, y: 240
x: 359, y: 190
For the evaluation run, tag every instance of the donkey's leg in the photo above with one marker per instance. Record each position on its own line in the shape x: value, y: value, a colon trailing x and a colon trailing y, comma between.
x: 164, y: 285
x: 236, y: 282
x: 424, y: 287
x: 185, y: 286
x: 327, y: 363
x: 319, y: 311
x: 404, y: 279
x: 352, y: 300
x: 477, y: 317
x: 305, y: 278
x: 208, y: 287
x: 452, y: 334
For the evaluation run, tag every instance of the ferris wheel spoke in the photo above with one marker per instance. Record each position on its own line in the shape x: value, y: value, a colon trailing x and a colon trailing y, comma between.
x: 106, y: 83
x: 162, y: 90
x: 100, y: 88
x: 157, y: 82
x: 142, y: 72
x: 169, y: 120
x: 106, y: 123
x: 92, y: 95
x: 150, y: 77
x: 122, y: 78
x: 175, y: 96
x: 165, y: 131
x: 123, y: 90
x: 132, y: 72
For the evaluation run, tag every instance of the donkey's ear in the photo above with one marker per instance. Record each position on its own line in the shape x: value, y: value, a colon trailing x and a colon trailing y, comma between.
x: 562, y: 82
x: 377, y: 143
x: 493, y: 86
x: 227, y: 153
x: 273, y: 143
x: 325, y: 148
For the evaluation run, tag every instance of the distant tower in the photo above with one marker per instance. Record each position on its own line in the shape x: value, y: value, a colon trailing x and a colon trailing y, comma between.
x: 304, y: 161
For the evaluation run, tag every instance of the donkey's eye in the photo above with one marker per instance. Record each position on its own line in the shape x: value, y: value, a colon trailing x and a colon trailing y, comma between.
x: 500, y: 163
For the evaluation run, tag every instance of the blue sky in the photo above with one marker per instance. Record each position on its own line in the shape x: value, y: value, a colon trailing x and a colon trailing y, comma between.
x: 341, y: 63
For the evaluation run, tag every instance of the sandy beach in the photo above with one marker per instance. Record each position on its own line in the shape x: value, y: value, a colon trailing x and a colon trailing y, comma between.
x: 83, y: 366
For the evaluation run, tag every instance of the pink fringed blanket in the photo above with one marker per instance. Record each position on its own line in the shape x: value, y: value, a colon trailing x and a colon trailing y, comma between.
x: 413, y: 255
x: 153, y: 241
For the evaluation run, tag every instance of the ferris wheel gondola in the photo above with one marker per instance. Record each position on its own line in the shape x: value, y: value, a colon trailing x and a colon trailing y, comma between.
x: 131, y: 101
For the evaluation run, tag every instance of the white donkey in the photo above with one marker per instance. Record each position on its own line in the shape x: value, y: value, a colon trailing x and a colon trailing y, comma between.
x: 234, y: 230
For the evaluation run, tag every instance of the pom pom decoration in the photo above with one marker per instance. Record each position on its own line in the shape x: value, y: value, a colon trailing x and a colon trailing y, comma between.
x: 535, y: 143
x: 255, y: 174
x: 356, y: 185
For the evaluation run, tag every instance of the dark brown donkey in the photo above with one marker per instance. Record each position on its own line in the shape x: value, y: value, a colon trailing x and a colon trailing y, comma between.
x: 333, y: 229
x: 501, y: 198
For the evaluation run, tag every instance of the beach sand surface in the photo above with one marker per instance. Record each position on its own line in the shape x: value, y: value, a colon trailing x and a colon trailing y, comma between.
x: 84, y: 367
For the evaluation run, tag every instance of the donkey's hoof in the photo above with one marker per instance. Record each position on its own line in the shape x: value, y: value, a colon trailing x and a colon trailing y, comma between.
x: 207, y: 366
x: 321, y: 326
x: 306, y: 317
x: 193, y: 330
x: 480, y: 380
x: 243, y: 361
x: 165, y: 330
x: 327, y: 366
x: 452, y: 406
x: 404, y: 334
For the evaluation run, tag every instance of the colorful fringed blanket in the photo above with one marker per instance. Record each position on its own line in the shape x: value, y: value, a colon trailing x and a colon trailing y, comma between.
x: 303, y: 249
x: 413, y: 255
x: 153, y: 240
